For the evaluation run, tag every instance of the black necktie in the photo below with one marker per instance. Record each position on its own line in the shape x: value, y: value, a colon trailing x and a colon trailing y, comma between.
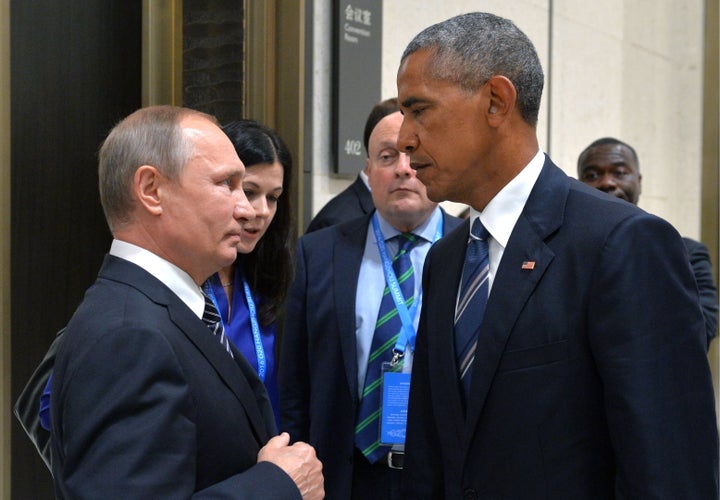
x: 471, y: 303
x: 212, y: 319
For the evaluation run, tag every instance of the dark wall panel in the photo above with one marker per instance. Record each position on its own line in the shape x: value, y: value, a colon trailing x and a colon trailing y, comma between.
x: 75, y: 71
x: 213, y: 57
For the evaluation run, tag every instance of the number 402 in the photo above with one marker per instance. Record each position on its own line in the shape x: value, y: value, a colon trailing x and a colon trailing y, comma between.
x: 353, y: 147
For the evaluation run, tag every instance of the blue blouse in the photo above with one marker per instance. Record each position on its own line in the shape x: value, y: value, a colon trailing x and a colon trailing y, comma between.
x: 239, y: 331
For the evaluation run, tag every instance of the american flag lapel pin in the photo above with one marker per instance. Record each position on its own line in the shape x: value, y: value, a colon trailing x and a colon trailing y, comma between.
x: 528, y: 265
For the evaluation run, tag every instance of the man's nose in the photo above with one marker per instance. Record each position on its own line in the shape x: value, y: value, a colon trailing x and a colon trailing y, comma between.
x: 607, y: 182
x: 402, y: 167
x: 407, y: 140
x: 243, y: 209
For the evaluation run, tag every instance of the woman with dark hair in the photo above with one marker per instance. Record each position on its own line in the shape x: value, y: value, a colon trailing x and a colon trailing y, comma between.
x: 250, y: 293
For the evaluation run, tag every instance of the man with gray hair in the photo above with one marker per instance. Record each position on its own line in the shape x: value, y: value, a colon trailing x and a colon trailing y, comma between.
x: 561, y: 349
x: 149, y: 399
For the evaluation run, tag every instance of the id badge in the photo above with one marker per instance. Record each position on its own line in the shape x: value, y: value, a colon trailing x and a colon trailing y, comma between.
x: 395, y: 395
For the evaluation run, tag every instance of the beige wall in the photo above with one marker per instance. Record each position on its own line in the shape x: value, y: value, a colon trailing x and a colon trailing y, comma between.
x: 5, y: 414
x: 635, y: 72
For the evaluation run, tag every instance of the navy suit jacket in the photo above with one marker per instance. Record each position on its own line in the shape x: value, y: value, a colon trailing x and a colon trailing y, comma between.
x: 354, y: 201
x: 318, y: 368
x: 590, y: 378
x: 702, y: 269
x: 146, y: 403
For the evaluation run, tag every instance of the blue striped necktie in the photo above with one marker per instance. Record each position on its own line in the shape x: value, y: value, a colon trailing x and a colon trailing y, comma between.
x: 471, y: 303
x: 212, y: 319
x: 387, y: 329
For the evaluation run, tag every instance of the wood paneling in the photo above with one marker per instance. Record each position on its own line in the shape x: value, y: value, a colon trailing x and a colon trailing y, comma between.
x: 75, y: 71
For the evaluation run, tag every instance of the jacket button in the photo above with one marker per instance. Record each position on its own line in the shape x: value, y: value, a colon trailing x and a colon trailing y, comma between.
x: 469, y: 494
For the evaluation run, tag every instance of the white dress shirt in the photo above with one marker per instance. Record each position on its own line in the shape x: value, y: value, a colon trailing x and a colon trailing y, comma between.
x: 172, y: 276
x: 501, y: 214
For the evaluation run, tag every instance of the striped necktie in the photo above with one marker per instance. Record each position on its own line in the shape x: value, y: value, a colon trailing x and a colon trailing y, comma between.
x: 471, y: 303
x: 212, y: 319
x: 387, y: 329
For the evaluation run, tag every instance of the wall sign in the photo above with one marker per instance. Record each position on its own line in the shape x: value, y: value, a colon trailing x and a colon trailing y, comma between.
x: 357, y: 68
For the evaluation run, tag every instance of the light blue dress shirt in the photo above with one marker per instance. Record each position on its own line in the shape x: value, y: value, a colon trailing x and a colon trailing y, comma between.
x: 371, y: 284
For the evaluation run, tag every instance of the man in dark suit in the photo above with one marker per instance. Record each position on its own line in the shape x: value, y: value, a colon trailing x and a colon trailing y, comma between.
x: 333, y: 308
x: 356, y: 200
x: 587, y: 375
x: 613, y: 167
x: 149, y: 401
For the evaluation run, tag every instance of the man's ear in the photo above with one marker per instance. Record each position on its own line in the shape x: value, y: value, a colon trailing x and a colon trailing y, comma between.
x: 502, y: 97
x: 146, y: 185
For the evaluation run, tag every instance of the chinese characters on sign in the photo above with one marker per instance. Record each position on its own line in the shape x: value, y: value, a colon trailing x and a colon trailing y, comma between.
x: 358, y: 15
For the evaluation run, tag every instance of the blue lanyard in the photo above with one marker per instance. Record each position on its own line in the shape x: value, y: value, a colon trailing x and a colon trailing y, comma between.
x: 259, y: 350
x: 254, y: 325
x: 407, y: 332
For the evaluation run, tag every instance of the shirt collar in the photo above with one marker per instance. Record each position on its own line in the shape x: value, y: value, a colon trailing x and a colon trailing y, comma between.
x: 365, y: 179
x: 426, y: 230
x: 501, y: 214
x: 168, y: 273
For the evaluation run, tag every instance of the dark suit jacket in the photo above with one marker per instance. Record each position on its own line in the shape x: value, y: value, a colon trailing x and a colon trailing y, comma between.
x: 318, y: 369
x: 146, y: 403
x: 702, y: 270
x: 27, y: 406
x: 590, y: 378
x: 349, y: 204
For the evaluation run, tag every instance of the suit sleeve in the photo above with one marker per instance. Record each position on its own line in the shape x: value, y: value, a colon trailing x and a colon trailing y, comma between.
x: 27, y: 406
x: 422, y: 475
x: 702, y: 269
x: 293, y: 374
x: 133, y: 436
x: 647, y: 336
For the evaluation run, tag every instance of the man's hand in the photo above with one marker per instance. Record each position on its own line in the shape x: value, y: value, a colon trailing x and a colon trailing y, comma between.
x: 299, y: 462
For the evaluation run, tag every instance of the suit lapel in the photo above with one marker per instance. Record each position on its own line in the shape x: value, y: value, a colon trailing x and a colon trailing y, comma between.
x: 346, y: 259
x: 511, y: 289
x: 195, y: 330
x: 444, y: 274
x: 523, y: 265
x: 364, y: 196
x: 234, y: 374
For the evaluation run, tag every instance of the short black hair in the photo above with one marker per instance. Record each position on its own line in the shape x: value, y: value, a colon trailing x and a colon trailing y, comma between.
x: 603, y: 141
x: 471, y: 48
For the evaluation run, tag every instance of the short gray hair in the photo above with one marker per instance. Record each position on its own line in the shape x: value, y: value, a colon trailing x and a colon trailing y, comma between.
x: 149, y: 136
x: 472, y: 48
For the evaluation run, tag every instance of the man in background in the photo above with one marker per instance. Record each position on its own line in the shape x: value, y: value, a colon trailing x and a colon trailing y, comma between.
x: 612, y: 166
x: 149, y: 399
x: 343, y: 321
